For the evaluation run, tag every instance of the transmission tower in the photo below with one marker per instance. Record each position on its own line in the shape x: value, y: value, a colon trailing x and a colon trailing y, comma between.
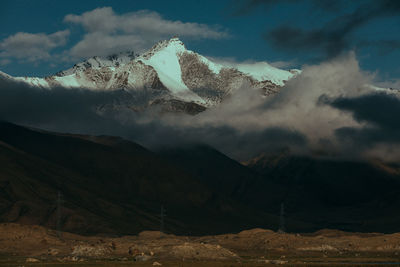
x: 282, y: 219
x: 59, y: 204
x: 162, y: 215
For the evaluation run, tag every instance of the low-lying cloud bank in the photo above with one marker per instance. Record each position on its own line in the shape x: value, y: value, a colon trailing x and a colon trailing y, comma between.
x: 329, y: 109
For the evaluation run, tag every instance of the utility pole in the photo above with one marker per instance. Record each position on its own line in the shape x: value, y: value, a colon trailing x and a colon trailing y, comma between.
x: 59, y: 203
x: 162, y: 215
x: 282, y: 219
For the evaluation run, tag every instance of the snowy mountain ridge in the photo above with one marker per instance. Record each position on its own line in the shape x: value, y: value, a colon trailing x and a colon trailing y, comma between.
x: 167, y: 73
x: 114, y: 60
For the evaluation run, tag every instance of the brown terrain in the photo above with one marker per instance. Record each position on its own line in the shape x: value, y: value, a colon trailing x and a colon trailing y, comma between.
x: 38, y: 246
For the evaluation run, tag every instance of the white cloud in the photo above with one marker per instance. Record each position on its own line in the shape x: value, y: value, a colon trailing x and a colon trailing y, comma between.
x: 5, y: 61
x: 99, y: 44
x: 297, y: 107
x: 32, y: 46
x: 394, y: 84
x: 131, y: 31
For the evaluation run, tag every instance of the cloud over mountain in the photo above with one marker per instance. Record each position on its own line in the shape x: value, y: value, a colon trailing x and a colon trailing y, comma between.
x: 317, y: 111
x: 32, y: 46
x: 105, y: 33
x: 136, y: 30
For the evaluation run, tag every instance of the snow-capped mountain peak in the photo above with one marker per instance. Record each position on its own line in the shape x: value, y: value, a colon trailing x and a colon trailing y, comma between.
x: 166, y: 74
x: 174, y: 45
x: 164, y: 59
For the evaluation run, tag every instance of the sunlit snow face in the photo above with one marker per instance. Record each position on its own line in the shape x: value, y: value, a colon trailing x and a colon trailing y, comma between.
x: 166, y: 63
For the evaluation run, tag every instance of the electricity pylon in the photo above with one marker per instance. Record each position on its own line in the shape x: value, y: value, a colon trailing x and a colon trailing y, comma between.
x: 162, y: 215
x: 59, y: 203
x: 282, y: 219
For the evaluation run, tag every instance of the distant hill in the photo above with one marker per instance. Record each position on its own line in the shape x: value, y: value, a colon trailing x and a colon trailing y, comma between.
x: 113, y: 186
x: 336, y: 194
x: 109, y: 185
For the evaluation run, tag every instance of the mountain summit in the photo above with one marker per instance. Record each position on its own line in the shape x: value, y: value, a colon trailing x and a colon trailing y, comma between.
x: 168, y: 75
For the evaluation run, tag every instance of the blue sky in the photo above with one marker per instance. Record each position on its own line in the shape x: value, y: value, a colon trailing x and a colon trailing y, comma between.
x: 239, y: 30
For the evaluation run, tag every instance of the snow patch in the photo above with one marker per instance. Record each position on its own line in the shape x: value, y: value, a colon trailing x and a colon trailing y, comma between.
x: 33, y: 81
x: 164, y: 58
x: 261, y: 71
x: 68, y: 81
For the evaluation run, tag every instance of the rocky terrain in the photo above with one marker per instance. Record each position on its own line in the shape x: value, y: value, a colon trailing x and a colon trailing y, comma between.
x: 258, y: 247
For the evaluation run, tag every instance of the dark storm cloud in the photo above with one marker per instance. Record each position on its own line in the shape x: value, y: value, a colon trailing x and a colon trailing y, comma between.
x: 328, y: 42
x: 378, y: 113
x: 21, y: 103
x: 227, y: 139
x: 333, y: 37
x: 370, y: 142
x: 82, y: 111
x: 60, y: 109
x: 243, y: 7
x: 380, y: 109
x: 269, y: 140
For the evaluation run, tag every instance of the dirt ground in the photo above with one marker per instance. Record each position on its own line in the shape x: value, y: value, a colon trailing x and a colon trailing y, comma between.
x: 22, y: 245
